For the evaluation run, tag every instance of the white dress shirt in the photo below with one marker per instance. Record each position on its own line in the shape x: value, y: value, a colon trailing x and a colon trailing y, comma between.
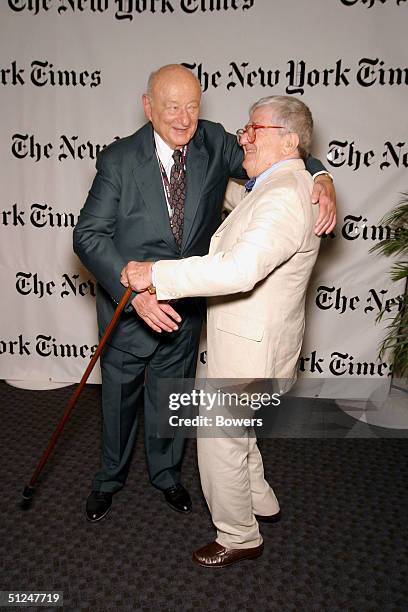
x: 165, y: 154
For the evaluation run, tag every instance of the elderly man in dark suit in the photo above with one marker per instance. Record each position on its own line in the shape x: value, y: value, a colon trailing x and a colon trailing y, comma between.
x: 157, y: 195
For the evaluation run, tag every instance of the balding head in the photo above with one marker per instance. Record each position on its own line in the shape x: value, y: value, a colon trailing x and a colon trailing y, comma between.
x: 172, y: 103
x: 171, y: 73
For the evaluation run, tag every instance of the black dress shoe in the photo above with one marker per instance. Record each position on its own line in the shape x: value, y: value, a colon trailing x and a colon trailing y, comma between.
x: 98, y: 505
x: 270, y: 518
x: 178, y: 499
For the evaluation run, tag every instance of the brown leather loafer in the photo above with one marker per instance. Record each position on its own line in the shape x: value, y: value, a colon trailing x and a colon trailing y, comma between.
x: 270, y: 518
x: 215, y: 555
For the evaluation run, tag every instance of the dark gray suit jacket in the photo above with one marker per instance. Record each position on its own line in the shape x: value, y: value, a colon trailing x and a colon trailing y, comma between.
x: 125, y: 216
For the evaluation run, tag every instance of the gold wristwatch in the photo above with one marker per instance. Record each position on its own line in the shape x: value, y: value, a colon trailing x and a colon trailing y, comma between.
x: 151, y: 289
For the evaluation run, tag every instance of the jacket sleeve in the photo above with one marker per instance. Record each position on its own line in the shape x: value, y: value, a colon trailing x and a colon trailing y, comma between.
x: 234, y: 157
x: 95, y: 230
x: 275, y: 232
x: 313, y: 165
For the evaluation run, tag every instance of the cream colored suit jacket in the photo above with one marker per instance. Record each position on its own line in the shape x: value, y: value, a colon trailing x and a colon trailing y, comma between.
x: 258, y: 266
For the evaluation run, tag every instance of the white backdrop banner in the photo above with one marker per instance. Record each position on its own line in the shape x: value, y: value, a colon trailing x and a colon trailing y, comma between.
x: 71, y: 78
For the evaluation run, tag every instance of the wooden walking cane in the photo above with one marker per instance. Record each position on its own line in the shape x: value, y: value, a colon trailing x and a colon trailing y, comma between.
x: 30, y: 488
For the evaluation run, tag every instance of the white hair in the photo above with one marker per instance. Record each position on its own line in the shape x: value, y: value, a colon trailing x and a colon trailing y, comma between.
x: 293, y: 115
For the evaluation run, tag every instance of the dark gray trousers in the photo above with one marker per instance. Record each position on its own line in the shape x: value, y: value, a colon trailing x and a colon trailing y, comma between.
x: 127, y: 380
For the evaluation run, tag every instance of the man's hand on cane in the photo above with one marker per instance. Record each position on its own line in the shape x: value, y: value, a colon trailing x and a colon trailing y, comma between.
x: 159, y: 316
x: 137, y: 274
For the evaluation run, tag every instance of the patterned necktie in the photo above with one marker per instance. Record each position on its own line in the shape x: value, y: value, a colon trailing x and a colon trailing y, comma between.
x: 177, y: 196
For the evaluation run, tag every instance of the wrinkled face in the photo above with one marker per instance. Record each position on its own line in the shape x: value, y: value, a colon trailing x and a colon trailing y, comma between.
x: 173, y: 107
x: 268, y: 146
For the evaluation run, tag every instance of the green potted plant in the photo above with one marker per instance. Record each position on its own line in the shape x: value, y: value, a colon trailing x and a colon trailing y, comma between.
x: 396, y: 243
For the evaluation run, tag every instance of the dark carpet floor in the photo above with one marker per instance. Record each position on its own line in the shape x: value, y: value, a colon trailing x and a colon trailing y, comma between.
x: 342, y: 544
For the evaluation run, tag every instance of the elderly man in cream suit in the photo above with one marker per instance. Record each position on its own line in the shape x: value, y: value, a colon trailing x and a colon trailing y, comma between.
x: 257, y: 272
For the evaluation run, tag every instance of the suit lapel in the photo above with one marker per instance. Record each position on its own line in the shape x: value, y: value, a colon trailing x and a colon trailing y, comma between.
x: 146, y: 172
x: 196, y: 169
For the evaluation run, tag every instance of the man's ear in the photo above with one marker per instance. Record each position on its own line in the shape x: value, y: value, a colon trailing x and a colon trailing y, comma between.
x: 147, y: 106
x: 290, y: 143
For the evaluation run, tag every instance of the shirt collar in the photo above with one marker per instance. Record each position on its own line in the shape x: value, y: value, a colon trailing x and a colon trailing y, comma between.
x: 264, y: 175
x: 164, y: 152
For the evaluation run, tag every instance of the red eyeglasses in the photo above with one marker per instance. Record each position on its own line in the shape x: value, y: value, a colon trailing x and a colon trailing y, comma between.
x: 250, y: 131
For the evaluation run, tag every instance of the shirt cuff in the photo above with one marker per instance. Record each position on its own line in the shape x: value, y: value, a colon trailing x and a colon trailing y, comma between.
x: 316, y: 174
x: 153, y: 275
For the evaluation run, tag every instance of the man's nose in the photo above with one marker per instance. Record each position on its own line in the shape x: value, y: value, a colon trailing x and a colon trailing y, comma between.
x: 244, y: 139
x: 184, y: 116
